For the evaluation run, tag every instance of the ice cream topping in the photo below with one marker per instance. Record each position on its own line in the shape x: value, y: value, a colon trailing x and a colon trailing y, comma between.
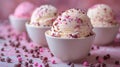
x: 101, y: 15
x: 72, y: 23
x: 44, y: 16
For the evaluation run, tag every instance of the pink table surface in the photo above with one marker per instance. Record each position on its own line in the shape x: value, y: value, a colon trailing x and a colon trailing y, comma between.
x: 5, y: 30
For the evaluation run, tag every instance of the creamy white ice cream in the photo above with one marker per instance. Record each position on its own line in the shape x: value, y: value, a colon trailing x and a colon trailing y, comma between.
x: 101, y: 15
x: 72, y: 23
x: 43, y: 16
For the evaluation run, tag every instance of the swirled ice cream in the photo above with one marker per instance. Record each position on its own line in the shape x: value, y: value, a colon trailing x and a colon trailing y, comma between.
x: 43, y: 16
x: 101, y: 15
x: 72, y: 23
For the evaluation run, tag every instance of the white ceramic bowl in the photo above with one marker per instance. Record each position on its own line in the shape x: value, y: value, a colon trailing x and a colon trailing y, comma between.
x: 105, y: 35
x: 37, y: 34
x: 69, y: 50
x: 18, y: 23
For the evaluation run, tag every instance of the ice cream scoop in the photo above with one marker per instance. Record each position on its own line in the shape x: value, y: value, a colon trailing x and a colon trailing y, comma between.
x: 101, y: 15
x: 24, y: 10
x: 72, y: 23
x: 43, y: 16
x: 41, y: 21
x: 105, y: 25
x: 21, y: 15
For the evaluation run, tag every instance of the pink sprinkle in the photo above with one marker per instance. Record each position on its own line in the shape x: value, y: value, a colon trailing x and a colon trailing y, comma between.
x: 53, y: 62
x: 85, y: 63
x: 100, y: 60
x: 79, y: 20
x: 52, y: 20
x: 36, y: 64
x: 41, y: 50
x: 67, y: 16
x: 19, y: 59
x: 40, y: 65
x: 31, y: 45
x: 24, y: 34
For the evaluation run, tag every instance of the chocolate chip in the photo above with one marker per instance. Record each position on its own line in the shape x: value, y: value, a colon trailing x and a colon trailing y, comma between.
x: 117, y: 62
x: 33, y: 56
x: 23, y: 47
x: 25, y: 50
x: 1, y: 37
x: 104, y: 65
x: 98, y: 47
x: 36, y: 50
x: 18, y: 55
x: 5, y: 44
x: 69, y: 63
x: 2, y: 49
x: 31, y: 51
x: 41, y: 57
x: 30, y: 61
x: 92, y: 48
x: 8, y: 60
x: 26, y: 55
x: 26, y: 63
x: 2, y: 54
x: 89, y: 54
x: 105, y: 57
x: 17, y: 51
x: 45, y: 58
x: 97, y: 57
x: 38, y: 53
x: 18, y: 44
x: 91, y: 65
x: 17, y: 65
x: 108, y: 56
x: 10, y: 41
x: 40, y: 47
x: 3, y: 59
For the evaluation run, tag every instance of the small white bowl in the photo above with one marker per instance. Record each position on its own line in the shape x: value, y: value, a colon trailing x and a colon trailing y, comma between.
x: 37, y: 34
x: 69, y: 50
x: 105, y: 35
x: 18, y: 23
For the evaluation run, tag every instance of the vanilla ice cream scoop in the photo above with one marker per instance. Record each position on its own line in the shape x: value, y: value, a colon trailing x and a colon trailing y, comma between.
x: 101, y: 15
x: 44, y: 16
x: 72, y: 23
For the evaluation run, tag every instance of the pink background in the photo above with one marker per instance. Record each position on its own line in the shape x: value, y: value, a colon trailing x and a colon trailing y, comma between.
x: 7, y: 6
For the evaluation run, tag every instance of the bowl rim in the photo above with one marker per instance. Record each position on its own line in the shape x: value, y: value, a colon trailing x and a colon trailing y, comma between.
x: 27, y: 24
x: 93, y: 35
x: 117, y: 25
